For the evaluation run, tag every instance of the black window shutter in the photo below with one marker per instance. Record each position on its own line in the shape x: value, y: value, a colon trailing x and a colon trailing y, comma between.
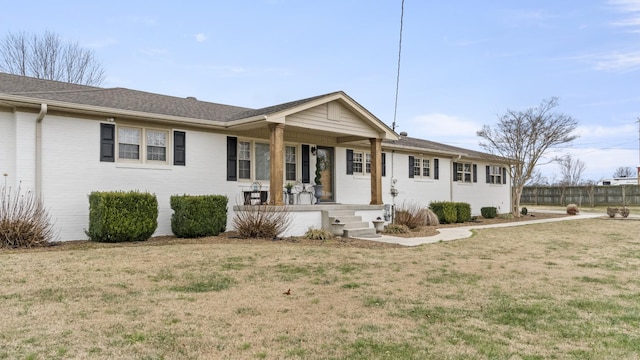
x: 504, y: 175
x: 436, y: 169
x: 232, y: 158
x: 179, y: 148
x: 384, y: 164
x: 349, y: 162
x: 488, y: 174
x: 411, y: 161
x: 455, y: 171
x: 107, y: 142
x: 475, y: 173
x: 306, y: 169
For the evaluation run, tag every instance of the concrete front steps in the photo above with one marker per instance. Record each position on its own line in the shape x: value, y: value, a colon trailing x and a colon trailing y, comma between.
x: 352, y: 225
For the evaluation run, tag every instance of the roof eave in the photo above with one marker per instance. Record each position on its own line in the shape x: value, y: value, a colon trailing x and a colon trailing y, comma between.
x: 16, y: 100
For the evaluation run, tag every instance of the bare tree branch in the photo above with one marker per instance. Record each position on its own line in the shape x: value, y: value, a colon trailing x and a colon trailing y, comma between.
x: 49, y: 57
x: 571, y: 170
x: 624, y: 171
x: 524, y: 137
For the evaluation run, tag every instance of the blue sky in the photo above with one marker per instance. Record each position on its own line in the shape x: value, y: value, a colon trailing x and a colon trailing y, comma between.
x: 463, y: 62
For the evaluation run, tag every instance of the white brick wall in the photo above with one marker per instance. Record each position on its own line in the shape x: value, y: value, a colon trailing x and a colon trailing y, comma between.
x: 7, y: 149
x: 72, y: 169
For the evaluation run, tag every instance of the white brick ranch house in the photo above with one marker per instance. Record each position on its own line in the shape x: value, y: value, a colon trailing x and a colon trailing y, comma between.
x: 64, y: 141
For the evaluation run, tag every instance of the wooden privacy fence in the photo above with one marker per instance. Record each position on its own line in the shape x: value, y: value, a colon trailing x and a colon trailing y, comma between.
x: 586, y: 195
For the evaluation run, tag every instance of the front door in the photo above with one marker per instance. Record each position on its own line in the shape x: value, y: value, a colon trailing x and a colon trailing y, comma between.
x: 325, y: 159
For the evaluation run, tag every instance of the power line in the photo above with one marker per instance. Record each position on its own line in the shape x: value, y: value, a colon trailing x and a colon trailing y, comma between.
x: 395, y: 108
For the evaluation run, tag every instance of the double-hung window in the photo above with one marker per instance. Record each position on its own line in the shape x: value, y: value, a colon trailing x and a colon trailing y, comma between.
x: 358, y: 162
x: 142, y: 145
x: 495, y: 174
x: 156, y: 145
x: 244, y: 160
x: 361, y: 163
x: 421, y: 167
x: 129, y: 143
x: 290, y: 163
x: 463, y: 172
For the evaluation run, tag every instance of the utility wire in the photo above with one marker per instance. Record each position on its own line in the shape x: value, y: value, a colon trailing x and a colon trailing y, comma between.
x: 395, y: 108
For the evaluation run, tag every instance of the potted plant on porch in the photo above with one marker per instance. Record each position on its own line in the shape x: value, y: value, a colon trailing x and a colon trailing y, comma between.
x: 318, y: 187
x: 289, y: 186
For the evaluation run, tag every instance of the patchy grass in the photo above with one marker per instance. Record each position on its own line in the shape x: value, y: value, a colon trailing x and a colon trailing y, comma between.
x: 558, y: 290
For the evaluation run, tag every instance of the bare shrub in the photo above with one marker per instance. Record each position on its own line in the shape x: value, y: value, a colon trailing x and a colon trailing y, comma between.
x: 624, y: 211
x: 24, y: 222
x: 572, y: 209
x: 431, y: 219
x: 410, y: 214
x: 612, y: 211
x: 261, y: 221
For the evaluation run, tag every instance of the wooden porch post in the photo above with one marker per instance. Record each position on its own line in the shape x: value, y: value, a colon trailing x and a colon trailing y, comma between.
x: 376, y: 171
x: 276, y: 154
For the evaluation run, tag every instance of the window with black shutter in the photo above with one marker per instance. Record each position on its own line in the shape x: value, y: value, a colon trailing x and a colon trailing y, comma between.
x: 306, y: 169
x: 179, y: 148
x: 411, y: 161
x: 232, y: 158
x: 349, y: 162
x: 107, y: 142
x: 384, y: 164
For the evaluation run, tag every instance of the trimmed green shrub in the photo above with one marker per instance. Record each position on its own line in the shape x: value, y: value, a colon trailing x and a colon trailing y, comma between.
x: 489, y: 212
x: 463, y: 211
x: 122, y: 216
x: 446, y: 211
x: 524, y: 211
x: 198, y: 216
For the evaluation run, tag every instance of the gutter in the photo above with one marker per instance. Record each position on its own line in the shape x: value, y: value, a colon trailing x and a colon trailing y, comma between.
x: 39, y: 119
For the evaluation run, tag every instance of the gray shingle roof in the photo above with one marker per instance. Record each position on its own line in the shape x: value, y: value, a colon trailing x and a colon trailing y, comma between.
x: 117, y: 98
x: 415, y: 143
x: 133, y: 100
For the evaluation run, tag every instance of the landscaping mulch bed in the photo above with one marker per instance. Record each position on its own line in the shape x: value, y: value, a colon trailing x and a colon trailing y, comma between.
x: 231, y: 237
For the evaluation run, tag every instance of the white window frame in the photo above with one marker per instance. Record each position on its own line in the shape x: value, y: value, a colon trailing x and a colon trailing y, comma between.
x: 287, y: 161
x: 358, y: 163
x: 464, y: 172
x: 361, y: 163
x: 245, y: 157
x: 143, y: 145
x: 253, y: 162
x: 495, y: 175
x: 421, y: 161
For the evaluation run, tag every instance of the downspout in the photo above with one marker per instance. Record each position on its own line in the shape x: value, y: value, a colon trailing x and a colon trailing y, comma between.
x: 41, y: 115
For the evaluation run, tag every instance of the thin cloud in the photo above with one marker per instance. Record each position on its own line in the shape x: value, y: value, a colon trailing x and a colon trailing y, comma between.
x: 589, y: 133
x: 616, y: 61
x: 200, y: 37
x: 631, y: 8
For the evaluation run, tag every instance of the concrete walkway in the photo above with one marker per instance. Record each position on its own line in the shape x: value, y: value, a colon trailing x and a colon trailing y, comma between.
x: 463, y: 232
